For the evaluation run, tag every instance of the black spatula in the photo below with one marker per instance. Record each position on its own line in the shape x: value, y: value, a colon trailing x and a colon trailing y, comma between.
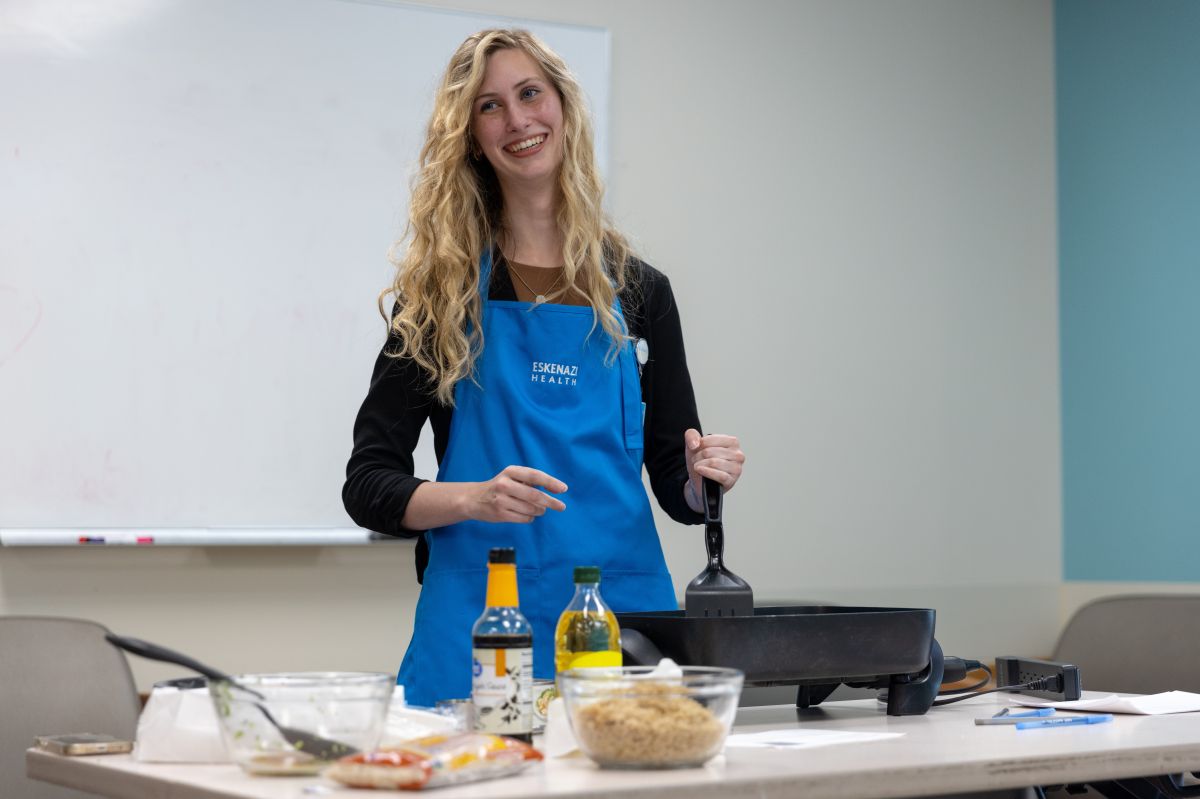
x: 315, y: 745
x: 716, y: 591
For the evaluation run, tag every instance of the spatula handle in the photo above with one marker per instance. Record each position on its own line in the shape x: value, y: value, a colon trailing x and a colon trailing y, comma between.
x: 161, y: 653
x: 712, y: 500
x: 714, y: 529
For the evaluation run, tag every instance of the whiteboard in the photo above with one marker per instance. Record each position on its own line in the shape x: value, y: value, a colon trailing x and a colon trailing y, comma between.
x: 196, y: 202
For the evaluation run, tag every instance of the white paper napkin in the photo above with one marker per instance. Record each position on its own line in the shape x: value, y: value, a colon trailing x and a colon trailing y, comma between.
x: 1143, y: 705
x: 405, y: 723
x: 666, y: 669
x: 179, y: 726
x: 558, y: 740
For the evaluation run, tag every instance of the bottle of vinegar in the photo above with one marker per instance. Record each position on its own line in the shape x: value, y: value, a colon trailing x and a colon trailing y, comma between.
x: 502, y: 655
x: 587, y: 634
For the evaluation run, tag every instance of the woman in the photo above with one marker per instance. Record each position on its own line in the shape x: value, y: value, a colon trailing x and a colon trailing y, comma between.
x: 521, y: 328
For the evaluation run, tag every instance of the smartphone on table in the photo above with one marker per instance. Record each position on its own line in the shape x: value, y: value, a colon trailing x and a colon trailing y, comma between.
x: 83, y: 743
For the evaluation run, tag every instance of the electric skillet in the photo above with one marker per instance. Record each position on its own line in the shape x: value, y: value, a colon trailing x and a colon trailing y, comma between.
x: 815, y: 647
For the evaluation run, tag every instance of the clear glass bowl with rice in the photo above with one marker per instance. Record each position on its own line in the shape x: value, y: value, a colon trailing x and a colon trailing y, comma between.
x: 641, y: 717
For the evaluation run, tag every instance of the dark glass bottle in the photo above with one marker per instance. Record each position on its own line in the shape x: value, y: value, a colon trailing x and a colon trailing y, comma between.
x: 502, y: 655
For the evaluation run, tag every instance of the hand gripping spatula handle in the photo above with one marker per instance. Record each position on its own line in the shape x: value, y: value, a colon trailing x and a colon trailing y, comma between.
x: 716, y: 591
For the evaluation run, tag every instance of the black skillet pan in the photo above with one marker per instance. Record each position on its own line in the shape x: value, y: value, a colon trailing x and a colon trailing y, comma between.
x: 787, y: 645
x: 774, y: 645
x: 813, y: 647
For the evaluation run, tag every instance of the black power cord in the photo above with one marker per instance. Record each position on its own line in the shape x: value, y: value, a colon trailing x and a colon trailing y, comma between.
x: 956, y: 670
x: 1044, y: 684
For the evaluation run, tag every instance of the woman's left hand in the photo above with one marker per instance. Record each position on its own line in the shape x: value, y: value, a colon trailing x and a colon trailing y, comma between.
x: 717, y: 457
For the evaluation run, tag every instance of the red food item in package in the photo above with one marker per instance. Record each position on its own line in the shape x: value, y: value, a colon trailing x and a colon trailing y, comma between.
x: 433, y: 761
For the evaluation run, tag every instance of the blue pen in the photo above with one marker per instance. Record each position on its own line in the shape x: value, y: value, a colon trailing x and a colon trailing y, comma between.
x: 1039, y: 713
x: 1066, y: 721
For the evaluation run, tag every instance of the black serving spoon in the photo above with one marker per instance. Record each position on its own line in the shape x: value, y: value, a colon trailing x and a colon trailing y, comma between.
x: 318, y: 747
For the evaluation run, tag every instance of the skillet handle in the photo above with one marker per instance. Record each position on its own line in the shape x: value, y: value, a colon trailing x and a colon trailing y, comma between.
x: 638, y: 649
x: 161, y: 653
x: 714, y: 529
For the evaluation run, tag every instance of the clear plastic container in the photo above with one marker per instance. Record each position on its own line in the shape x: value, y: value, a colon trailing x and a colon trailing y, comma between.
x: 587, y: 634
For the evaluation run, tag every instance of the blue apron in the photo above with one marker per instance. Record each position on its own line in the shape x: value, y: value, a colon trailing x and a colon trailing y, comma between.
x: 544, y: 399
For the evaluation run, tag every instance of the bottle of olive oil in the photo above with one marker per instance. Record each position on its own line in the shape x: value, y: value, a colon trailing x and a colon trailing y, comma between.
x: 587, y: 634
x: 502, y: 655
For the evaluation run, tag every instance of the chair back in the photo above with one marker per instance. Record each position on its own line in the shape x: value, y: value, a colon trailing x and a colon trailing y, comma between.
x: 1142, y: 644
x: 58, y: 676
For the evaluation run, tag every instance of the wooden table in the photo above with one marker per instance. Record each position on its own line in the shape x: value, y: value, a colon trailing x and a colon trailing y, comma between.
x: 942, y: 752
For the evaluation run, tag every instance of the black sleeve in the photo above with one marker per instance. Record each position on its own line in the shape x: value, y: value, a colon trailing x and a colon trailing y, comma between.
x: 666, y: 390
x: 379, y: 475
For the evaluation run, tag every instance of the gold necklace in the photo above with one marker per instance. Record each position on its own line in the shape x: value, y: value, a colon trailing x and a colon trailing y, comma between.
x: 538, y: 297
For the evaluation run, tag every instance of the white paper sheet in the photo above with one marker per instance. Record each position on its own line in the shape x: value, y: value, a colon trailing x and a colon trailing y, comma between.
x: 1141, y: 704
x: 800, y: 738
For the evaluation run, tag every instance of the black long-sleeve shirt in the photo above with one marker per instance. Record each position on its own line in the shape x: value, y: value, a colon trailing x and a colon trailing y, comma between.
x: 379, y: 475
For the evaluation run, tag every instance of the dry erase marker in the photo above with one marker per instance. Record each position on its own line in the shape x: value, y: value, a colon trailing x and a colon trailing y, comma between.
x: 1066, y: 721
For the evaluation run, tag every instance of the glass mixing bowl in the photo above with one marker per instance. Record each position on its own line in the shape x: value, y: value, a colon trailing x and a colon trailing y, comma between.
x: 297, y: 723
x: 641, y: 717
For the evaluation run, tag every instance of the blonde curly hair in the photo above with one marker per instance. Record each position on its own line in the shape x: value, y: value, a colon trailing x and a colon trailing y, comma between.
x: 455, y: 215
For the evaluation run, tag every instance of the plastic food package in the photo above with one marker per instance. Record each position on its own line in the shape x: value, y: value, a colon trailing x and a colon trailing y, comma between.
x: 434, y: 761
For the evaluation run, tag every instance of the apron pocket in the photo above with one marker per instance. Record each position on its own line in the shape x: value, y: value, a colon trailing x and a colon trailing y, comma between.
x: 628, y: 591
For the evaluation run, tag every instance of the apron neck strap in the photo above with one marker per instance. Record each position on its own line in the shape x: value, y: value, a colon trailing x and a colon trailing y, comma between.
x: 485, y: 273
x: 485, y: 280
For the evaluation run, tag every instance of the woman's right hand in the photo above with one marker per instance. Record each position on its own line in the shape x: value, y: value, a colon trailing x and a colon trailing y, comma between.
x: 514, y: 495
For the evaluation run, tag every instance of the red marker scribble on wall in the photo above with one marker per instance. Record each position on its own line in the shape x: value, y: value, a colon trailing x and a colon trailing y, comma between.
x: 19, y: 331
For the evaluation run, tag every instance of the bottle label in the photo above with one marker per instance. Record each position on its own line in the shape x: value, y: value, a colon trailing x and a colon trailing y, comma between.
x: 502, y: 690
x: 594, y: 660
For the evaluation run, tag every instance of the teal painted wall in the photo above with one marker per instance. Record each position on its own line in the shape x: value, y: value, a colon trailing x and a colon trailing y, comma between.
x: 1128, y: 115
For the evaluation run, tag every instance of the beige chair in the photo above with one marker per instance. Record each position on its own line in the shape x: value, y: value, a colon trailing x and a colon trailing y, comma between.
x: 57, y: 676
x: 1141, y: 644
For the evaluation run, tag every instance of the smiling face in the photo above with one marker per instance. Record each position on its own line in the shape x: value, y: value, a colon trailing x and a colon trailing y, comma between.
x: 517, y: 121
